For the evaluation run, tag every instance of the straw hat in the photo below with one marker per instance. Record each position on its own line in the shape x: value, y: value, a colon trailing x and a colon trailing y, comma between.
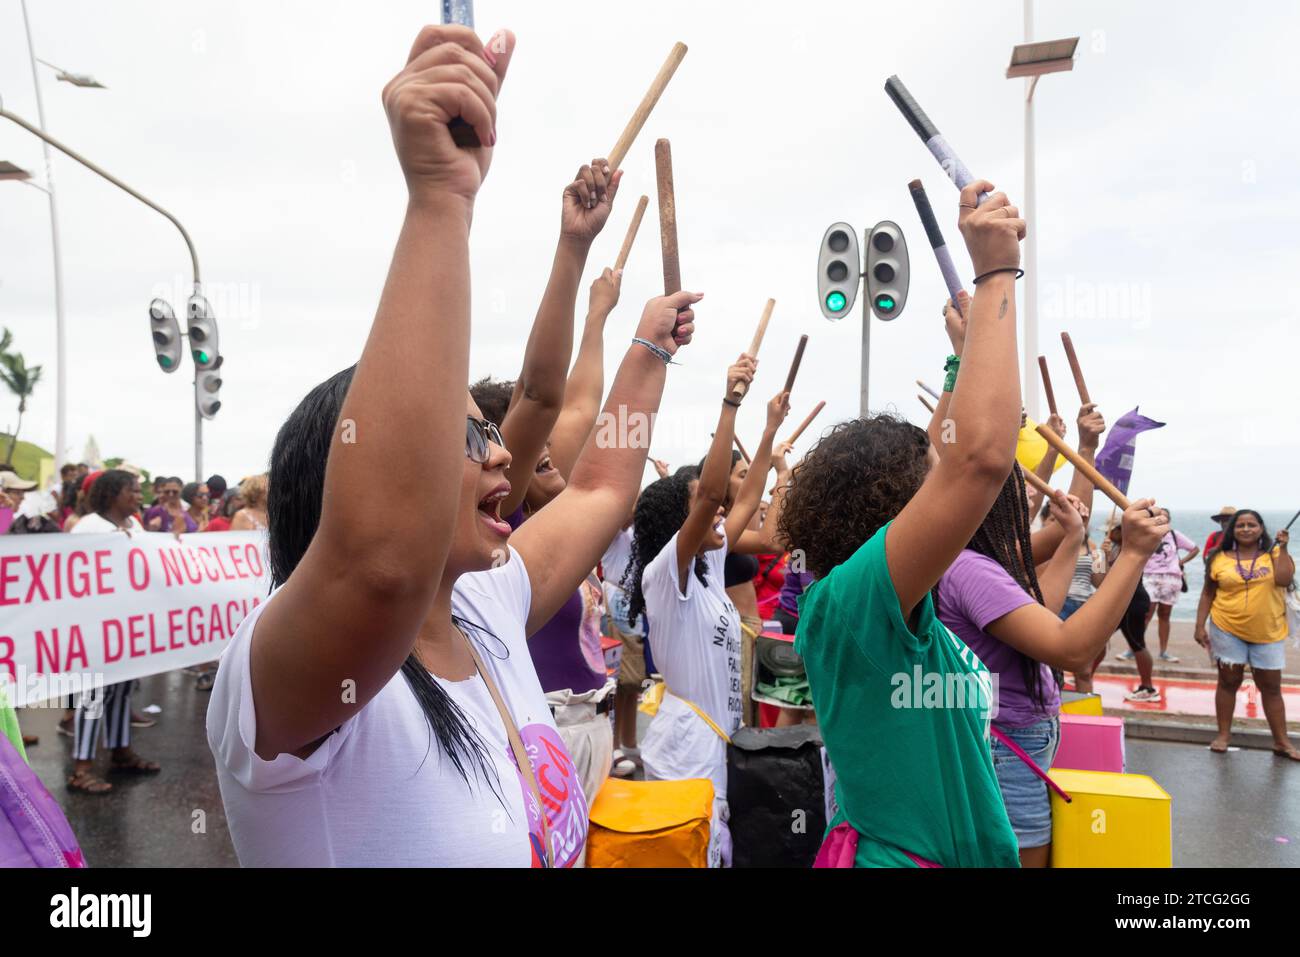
x: 1226, y: 512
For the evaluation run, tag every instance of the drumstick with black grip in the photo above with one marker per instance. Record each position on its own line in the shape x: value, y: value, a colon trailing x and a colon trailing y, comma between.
x: 930, y: 135
x: 937, y: 243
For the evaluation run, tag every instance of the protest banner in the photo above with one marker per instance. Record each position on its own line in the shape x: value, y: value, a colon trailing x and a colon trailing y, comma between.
x: 84, y: 611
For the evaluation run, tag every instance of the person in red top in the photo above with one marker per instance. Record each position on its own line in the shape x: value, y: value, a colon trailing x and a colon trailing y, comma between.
x: 768, y: 582
x: 1223, y: 517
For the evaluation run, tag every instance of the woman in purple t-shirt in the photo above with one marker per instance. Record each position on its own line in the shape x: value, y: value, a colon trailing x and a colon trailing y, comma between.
x: 1007, y: 613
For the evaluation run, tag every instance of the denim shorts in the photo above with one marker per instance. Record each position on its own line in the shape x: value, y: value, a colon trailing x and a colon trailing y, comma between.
x: 1024, y: 793
x: 1069, y: 608
x: 1231, y: 650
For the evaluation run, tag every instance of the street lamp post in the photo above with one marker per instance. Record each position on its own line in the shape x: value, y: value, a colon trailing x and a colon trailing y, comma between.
x: 1031, y: 60
x: 60, y: 330
x: 19, y: 174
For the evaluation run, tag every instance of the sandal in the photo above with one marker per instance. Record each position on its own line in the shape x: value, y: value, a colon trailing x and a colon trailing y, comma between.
x: 1287, y: 752
x: 30, y: 740
x: 87, y: 783
x: 141, y: 721
x: 134, y: 764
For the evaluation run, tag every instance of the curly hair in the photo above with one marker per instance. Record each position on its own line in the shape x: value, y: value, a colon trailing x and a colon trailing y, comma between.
x: 106, y: 489
x: 660, y: 513
x: 857, y: 478
x: 493, y: 398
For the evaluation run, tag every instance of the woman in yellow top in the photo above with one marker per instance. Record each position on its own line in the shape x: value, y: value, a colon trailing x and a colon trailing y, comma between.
x: 1242, y: 621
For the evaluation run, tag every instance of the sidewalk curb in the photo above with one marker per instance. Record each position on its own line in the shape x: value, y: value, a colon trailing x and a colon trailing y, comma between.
x: 1251, y: 738
x: 1175, y: 673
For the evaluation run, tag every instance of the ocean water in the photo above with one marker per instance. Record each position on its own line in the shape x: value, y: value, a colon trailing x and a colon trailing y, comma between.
x: 1196, y: 524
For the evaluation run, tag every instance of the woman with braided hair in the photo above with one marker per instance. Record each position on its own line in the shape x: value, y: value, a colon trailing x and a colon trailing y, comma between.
x: 995, y: 601
x: 682, y: 536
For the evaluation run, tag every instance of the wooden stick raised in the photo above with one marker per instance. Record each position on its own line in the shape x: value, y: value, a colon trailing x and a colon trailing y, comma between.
x: 647, y: 104
x: 1032, y: 478
x: 667, y: 217
x: 1073, y: 457
x: 934, y: 395
x: 630, y: 238
x: 805, y: 423
x: 926, y: 402
x: 740, y: 448
x: 1047, y: 384
x: 742, y: 387
x: 1074, y: 368
x: 794, y: 366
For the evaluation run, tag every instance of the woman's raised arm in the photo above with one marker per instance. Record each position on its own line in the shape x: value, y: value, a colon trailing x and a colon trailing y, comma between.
x: 939, y: 521
x: 351, y: 609
x: 562, y: 543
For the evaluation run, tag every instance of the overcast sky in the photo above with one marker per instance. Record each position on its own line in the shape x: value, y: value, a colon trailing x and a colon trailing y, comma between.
x: 1167, y: 210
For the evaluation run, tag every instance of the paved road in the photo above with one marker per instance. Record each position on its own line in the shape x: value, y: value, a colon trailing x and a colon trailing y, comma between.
x: 1230, y: 810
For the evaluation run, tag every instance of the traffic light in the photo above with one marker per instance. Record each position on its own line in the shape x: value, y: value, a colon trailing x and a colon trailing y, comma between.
x: 887, y: 271
x: 166, y: 335
x: 839, y: 270
x: 207, y: 385
x: 203, y: 333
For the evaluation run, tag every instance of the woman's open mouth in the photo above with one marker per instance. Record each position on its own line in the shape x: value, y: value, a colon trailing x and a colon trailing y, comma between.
x: 489, y: 509
x: 544, y: 465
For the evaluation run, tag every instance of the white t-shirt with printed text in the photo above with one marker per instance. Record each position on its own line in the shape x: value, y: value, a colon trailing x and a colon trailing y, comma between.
x: 378, y: 791
x: 695, y: 636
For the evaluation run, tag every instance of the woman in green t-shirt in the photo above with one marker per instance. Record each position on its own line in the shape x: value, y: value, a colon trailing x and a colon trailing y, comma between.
x: 877, y: 517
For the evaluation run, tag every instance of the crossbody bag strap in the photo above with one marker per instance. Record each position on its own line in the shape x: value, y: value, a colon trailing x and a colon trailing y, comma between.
x: 700, y: 711
x: 1019, y: 752
x: 516, y: 746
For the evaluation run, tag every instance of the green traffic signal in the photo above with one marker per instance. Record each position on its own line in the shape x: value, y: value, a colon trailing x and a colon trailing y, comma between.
x: 200, y: 357
x: 835, y: 301
x: 885, y: 302
x: 165, y: 361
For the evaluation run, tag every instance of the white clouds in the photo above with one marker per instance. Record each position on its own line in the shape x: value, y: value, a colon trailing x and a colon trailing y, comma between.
x: 259, y: 125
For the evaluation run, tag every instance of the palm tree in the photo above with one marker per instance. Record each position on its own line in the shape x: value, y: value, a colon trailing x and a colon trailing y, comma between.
x: 21, y: 381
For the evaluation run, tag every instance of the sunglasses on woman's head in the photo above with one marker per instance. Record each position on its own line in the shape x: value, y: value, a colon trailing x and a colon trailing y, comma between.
x: 478, y: 434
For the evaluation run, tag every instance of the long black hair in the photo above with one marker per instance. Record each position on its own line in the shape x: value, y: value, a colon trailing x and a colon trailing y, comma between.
x: 661, y: 511
x: 1228, y: 540
x: 1004, y: 537
x: 297, y: 487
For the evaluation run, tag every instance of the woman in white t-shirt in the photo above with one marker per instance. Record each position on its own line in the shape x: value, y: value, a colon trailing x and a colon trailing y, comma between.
x: 680, y: 542
x: 381, y: 707
x: 113, y: 500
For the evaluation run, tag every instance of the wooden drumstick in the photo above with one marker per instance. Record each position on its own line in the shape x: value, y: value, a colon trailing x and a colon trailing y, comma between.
x: 743, y: 387
x: 1032, y: 478
x: 934, y: 395
x: 1073, y: 457
x: 794, y: 366
x: 805, y: 423
x: 741, y: 449
x: 926, y: 402
x: 667, y: 217
x: 1047, y: 384
x: 630, y: 238
x: 647, y: 104
x: 1074, y: 368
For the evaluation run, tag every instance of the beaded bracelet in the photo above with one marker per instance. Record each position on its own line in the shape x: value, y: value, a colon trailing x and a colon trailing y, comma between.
x: 950, y: 367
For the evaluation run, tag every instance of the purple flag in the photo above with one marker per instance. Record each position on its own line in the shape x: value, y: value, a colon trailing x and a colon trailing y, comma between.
x: 1115, y: 460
